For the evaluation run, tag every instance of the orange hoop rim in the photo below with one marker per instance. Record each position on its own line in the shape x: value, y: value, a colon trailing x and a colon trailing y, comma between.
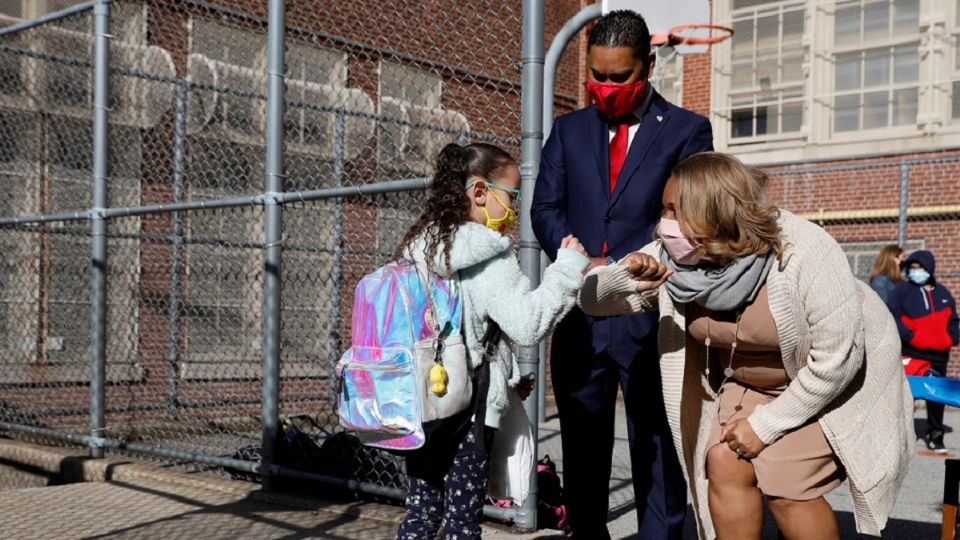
x: 672, y: 38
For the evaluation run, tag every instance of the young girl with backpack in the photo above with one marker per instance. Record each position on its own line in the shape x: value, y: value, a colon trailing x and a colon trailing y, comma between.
x: 472, y: 207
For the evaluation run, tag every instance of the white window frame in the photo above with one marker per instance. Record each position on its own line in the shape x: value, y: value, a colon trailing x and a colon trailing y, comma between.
x: 123, y: 297
x: 669, y: 76
x: 934, y: 129
x: 951, y: 89
x: 414, y: 148
x: 242, y: 358
x: 889, y: 131
x: 728, y: 107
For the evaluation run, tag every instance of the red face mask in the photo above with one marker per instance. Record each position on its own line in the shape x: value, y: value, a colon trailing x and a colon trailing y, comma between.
x: 615, y: 100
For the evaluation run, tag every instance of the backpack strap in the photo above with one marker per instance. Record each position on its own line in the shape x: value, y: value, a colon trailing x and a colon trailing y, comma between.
x: 490, y: 339
x: 424, y: 275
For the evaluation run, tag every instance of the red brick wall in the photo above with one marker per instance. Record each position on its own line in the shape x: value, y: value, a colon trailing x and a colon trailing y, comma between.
x: 696, y: 80
x: 569, y: 92
x: 933, y: 183
x: 696, y: 83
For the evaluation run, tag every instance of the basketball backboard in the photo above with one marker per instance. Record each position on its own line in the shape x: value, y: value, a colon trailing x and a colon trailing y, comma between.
x: 662, y: 15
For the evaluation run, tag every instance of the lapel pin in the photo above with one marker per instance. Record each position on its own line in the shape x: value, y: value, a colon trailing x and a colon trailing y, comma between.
x: 659, y: 118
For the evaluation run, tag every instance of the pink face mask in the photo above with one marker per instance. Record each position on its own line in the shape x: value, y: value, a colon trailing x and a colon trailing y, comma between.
x: 681, y: 248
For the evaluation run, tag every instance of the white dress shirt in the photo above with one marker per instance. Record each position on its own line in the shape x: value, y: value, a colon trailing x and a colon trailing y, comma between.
x: 638, y: 112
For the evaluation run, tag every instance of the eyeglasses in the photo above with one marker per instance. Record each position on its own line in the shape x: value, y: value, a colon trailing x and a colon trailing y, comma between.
x: 514, y: 193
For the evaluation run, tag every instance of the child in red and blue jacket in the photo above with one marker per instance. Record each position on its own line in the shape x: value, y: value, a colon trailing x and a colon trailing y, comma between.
x: 926, y: 315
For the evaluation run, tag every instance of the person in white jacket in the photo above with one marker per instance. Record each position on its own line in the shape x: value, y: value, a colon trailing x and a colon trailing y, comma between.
x: 781, y: 372
x: 471, y: 209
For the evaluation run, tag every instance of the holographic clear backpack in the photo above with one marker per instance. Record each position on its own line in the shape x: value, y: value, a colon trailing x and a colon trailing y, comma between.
x: 406, y: 321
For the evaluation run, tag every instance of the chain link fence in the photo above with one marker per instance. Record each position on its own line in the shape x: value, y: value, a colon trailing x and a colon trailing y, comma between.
x: 370, y: 99
x: 868, y: 204
x: 188, y: 118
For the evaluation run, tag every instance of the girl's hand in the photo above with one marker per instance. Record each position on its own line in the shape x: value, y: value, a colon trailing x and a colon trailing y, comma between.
x: 647, y: 271
x: 525, y: 386
x: 570, y: 242
x: 740, y: 436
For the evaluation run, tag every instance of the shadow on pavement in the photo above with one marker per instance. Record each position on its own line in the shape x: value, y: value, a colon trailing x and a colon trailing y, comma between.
x: 247, y: 517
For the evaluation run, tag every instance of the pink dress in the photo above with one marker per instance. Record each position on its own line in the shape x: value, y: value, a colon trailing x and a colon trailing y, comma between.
x: 800, y: 465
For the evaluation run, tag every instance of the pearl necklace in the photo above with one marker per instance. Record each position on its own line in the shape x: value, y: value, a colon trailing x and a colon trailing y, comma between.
x: 727, y: 371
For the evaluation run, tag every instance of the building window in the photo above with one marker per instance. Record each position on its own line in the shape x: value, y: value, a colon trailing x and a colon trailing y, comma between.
x: 955, y: 94
x: 46, y: 166
x: 668, y: 77
x: 876, y: 64
x: 414, y: 126
x: 410, y: 85
x: 223, y: 289
x: 767, y: 69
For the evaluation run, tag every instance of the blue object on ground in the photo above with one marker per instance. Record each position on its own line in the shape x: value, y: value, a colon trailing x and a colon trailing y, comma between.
x: 938, y: 389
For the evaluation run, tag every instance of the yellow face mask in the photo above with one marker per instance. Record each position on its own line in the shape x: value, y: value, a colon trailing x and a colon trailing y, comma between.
x: 503, y: 224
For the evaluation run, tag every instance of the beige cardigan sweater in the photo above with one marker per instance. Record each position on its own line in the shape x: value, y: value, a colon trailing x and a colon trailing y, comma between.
x: 840, y: 347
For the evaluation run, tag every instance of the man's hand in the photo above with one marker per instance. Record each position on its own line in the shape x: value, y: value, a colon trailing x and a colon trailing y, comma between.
x: 647, y: 271
x: 525, y: 386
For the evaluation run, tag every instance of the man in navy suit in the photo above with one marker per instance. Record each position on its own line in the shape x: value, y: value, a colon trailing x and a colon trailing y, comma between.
x: 602, y: 174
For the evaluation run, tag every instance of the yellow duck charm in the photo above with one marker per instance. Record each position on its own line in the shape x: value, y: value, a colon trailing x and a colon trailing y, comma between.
x: 438, y: 380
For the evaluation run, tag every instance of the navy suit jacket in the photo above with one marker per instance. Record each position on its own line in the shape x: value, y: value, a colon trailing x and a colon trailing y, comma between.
x: 572, y: 196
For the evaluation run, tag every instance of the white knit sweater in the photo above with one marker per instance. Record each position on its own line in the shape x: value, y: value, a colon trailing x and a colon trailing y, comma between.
x: 493, y: 287
x: 839, y: 347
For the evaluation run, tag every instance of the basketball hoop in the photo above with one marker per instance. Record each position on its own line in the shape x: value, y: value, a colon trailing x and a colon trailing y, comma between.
x: 679, y: 35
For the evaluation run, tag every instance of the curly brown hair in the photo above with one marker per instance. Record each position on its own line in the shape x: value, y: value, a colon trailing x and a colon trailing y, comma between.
x: 448, y: 207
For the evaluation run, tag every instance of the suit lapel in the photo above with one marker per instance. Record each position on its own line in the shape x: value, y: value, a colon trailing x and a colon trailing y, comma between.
x: 600, y: 135
x: 654, y: 119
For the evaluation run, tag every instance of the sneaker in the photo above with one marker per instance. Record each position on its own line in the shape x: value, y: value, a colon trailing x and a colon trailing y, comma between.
x: 934, y: 440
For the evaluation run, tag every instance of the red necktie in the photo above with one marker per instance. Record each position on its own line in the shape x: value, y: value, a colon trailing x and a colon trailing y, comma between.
x: 618, y: 152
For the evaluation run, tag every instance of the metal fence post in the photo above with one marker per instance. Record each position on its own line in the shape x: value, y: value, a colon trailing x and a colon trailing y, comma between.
x: 552, y: 60
x: 272, y: 235
x: 904, y: 204
x: 173, y: 346
x: 98, y: 225
x: 336, y: 272
x: 531, y: 120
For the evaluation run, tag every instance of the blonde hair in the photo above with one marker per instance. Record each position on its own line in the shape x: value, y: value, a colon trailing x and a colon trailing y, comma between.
x: 886, y: 263
x: 720, y: 202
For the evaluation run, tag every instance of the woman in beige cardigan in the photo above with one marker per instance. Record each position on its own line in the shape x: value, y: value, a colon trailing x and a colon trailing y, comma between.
x: 781, y: 371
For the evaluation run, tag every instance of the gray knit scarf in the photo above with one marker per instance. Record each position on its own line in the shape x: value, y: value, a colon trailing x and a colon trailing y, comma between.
x: 718, y: 289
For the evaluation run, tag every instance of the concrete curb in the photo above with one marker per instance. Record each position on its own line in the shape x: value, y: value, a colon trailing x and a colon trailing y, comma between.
x: 68, y: 465
x: 57, y: 465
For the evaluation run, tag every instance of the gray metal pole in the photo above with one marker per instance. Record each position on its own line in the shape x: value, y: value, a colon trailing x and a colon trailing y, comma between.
x: 49, y: 17
x: 557, y: 46
x: 531, y: 121
x: 904, y: 204
x: 389, y: 186
x: 542, y: 370
x: 98, y: 224
x: 336, y: 272
x: 272, y: 235
x: 176, y: 246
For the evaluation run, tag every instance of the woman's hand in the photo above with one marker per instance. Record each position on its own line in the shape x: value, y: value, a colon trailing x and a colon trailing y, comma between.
x: 525, y: 386
x: 740, y: 436
x: 647, y: 271
x: 570, y: 242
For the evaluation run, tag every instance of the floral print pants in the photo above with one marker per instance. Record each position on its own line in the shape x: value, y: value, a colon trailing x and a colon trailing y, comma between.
x: 448, y: 486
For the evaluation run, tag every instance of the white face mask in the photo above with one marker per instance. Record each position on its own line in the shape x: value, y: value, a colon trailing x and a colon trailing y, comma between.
x: 918, y: 275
